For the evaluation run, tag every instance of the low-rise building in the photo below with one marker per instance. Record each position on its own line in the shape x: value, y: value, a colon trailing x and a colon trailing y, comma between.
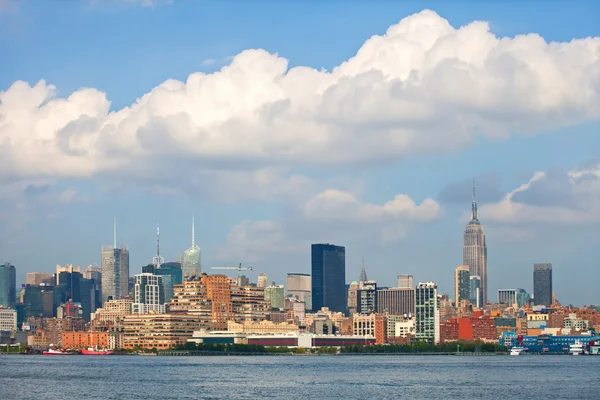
x: 160, y: 331
x: 264, y: 326
x: 82, y: 340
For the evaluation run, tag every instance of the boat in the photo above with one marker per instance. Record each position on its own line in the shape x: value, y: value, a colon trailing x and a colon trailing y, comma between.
x: 57, y: 352
x: 90, y: 351
x: 146, y: 354
x: 516, y: 351
x: 576, y: 348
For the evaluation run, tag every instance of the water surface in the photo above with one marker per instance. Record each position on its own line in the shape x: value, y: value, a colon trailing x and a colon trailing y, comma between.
x: 299, y: 377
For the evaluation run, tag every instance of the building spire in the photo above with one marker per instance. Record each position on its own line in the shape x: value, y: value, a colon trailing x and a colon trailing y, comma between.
x: 363, y: 273
x: 114, y: 232
x: 474, y: 204
x: 157, y: 240
x: 193, y: 238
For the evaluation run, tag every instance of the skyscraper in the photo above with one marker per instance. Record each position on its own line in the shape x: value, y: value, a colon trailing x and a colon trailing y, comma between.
x: 328, y: 277
x: 191, y: 263
x: 476, y: 292
x: 115, y: 270
x: 299, y: 285
x: 149, y: 294
x: 427, y: 312
x: 8, y: 285
x: 542, y: 284
x: 262, y: 281
x: 462, y: 284
x: 475, y: 249
x: 405, y: 281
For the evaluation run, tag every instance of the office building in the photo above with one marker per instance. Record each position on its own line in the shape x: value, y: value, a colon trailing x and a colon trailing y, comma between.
x: 396, y: 301
x: 37, y: 278
x: 8, y: 285
x: 115, y: 270
x: 542, y: 284
x: 275, y: 296
x: 427, y: 314
x: 366, y: 297
x: 513, y: 297
x: 462, y: 284
x: 405, y: 281
x: 191, y: 259
x: 172, y: 275
x: 262, y: 281
x: 149, y: 294
x: 328, y: 266
x: 299, y: 286
x: 79, y: 290
x: 8, y: 319
x: 475, y: 250
x: 476, y: 292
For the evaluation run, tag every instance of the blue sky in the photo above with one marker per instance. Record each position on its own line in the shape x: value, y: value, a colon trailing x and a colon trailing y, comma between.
x: 272, y: 168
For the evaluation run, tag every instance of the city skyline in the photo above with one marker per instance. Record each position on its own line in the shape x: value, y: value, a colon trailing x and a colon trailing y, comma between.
x: 387, y: 176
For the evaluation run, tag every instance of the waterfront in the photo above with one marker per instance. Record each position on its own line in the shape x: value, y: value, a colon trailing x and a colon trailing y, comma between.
x: 133, y: 377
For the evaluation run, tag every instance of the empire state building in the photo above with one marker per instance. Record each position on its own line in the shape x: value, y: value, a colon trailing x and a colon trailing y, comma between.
x: 475, y: 254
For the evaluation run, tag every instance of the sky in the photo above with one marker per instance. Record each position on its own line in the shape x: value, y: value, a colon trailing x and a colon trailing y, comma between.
x: 281, y: 124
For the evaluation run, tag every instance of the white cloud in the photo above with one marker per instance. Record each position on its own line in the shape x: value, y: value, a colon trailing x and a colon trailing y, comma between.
x: 339, y: 205
x: 422, y: 87
x: 559, y: 198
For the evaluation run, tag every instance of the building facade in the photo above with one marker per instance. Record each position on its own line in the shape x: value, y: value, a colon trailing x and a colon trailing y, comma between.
x: 299, y: 286
x: 427, y: 314
x: 475, y: 250
x: 405, y: 281
x: 328, y: 266
x: 275, y: 296
x: 476, y: 296
x: 191, y: 259
x: 396, y: 301
x: 542, y: 284
x: 149, y: 294
x: 513, y: 297
x: 462, y: 284
x: 115, y: 273
x: 8, y: 285
x: 8, y: 319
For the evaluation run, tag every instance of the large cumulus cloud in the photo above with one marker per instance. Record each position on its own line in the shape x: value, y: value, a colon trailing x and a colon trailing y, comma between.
x: 422, y: 87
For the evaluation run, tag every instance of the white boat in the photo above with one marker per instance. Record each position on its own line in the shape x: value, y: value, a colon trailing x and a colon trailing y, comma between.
x: 516, y: 351
x: 576, y: 349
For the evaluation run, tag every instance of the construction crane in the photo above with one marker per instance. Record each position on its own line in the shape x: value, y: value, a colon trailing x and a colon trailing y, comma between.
x: 239, y: 270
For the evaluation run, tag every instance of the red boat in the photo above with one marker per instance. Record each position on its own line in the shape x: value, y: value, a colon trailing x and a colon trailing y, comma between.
x: 90, y: 351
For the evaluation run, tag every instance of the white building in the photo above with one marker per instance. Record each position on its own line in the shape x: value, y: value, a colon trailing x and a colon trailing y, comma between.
x: 8, y: 319
x: 149, y: 294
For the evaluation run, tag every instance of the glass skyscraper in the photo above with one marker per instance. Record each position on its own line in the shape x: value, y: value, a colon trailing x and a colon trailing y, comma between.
x: 427, y: 312
x: 190, y: 260
x: 8, y: 285
x: 475, y: 250
x: 328, y: 277
x: 115, y: 273
x: 462, y: 284
x: 542, y: 284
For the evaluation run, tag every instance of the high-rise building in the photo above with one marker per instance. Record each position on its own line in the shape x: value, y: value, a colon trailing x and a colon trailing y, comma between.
x: 328, y: 277
x: 8, y: 285
x: 299, y: 285
x: 79, y: 290
x: 366, y: 297
x: 396, y: 301
x: 427, y: 313
x: 462, y: 284
x: 405, y: 281
x: 149, y: 294
x: 542, y: 284
x: 191, y: 259
x: 37, y: 278
x: 475, y: 249
x: 171, y: 273
x: 115, y: 270
x: 518, y: 297
x: 476, y: 296
x: 275, y: 295
x: 262, y: 281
